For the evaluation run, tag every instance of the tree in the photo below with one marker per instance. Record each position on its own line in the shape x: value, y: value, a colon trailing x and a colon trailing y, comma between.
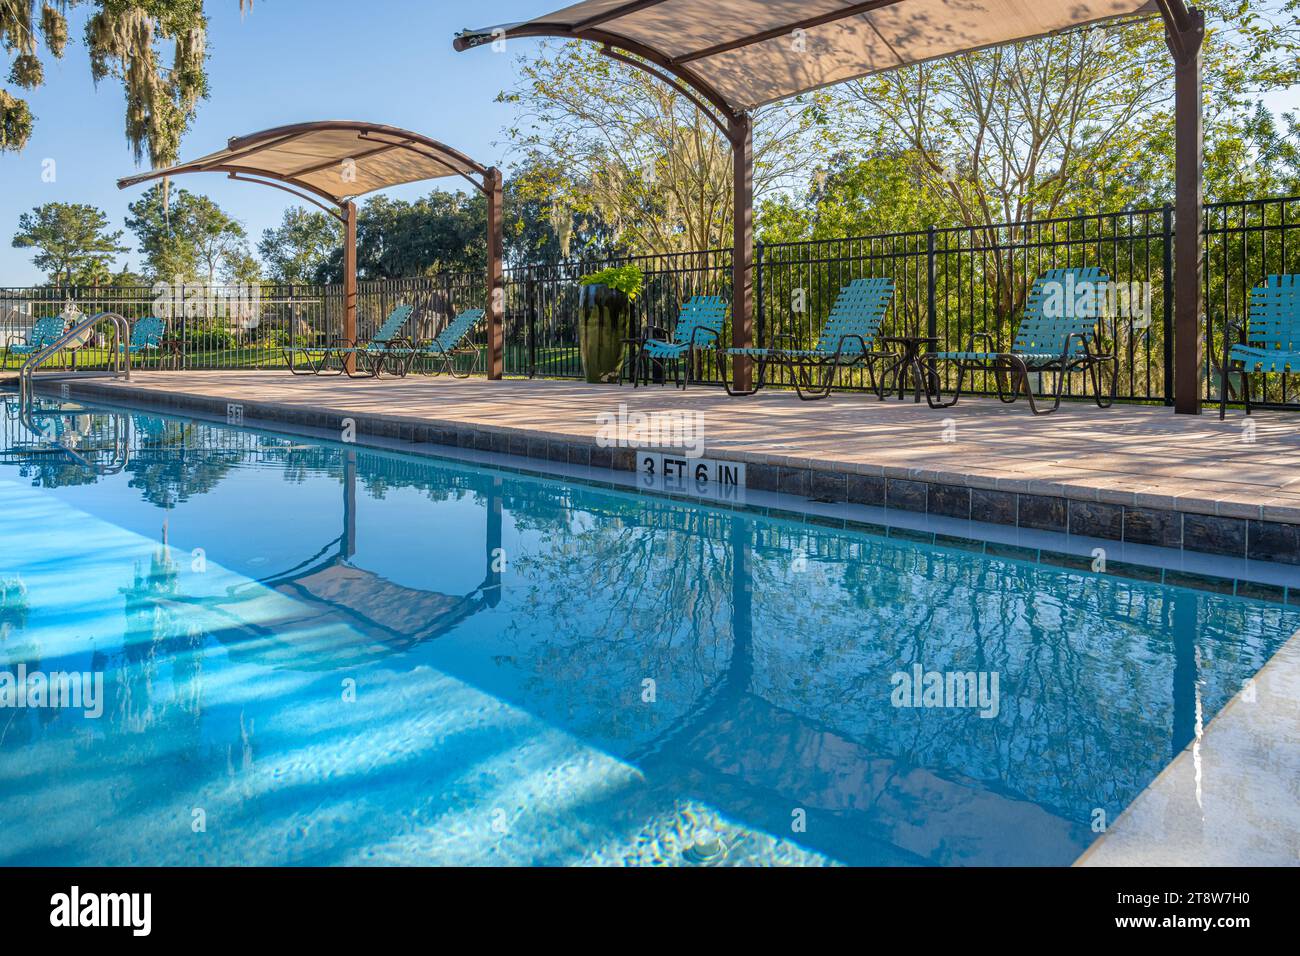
x: 301, y: 246
x: 604, y: 136
x: 241, y: 268
x: 71, y: 240
x: 1076, y: 121
x: 126, y: 40
x: 219, y: 240
x: 395, y: 239
x: 539, y: 227
x: 184, y: 235
x: 853, y: 196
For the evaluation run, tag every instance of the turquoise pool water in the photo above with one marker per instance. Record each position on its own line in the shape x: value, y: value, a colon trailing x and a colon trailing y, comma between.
x: 322, y: 654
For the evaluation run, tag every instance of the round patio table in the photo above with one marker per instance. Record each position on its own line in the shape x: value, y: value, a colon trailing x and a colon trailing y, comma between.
x: 909, y: 363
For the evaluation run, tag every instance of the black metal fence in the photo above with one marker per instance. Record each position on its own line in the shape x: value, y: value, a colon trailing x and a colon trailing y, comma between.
x: 949, y: 283
x: 1244, y: 243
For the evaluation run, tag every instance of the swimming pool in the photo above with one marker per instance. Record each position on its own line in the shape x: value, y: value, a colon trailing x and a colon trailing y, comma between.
x: 316, y: 653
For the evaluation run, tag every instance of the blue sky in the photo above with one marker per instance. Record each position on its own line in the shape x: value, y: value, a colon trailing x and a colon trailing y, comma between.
x: 288, y: 61
x: 386, y: 61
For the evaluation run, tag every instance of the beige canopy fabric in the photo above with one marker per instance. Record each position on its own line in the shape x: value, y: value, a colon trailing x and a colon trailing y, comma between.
x: 337, y: 160
x: 748, y: 53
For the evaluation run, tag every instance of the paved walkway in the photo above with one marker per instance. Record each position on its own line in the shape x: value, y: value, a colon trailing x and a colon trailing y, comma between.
x: 1141, y: 456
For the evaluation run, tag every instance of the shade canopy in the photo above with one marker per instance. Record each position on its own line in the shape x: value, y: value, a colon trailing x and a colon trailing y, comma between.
x: 741, y: 54
x: 337, y: 160
x: 330, y: 163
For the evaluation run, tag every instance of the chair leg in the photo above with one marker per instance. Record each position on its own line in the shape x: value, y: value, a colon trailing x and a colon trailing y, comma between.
x: 638, y: 357
x: 804, y: 386
x: 1022, y: 371
x: 730, y: 387
x: 872, y: 381
x: 934, y: 401
x: 1105, y: 398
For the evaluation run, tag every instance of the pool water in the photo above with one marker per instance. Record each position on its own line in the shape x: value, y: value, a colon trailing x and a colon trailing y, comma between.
x: 316, y: 653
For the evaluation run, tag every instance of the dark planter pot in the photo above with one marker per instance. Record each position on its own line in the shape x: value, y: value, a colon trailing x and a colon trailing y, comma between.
x: 603, y: 318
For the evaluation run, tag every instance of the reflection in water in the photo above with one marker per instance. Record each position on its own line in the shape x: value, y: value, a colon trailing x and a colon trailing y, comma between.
x: 497, y: 635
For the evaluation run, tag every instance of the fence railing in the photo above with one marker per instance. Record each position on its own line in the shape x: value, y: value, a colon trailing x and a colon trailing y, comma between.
x: 949, y: 282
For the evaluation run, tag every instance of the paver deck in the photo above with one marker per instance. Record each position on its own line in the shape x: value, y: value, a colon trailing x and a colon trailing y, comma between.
x: 1140, y: 456
x: 1232, y: 798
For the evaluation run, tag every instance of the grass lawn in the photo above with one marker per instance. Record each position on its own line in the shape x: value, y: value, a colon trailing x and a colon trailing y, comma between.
x: 550, y: 361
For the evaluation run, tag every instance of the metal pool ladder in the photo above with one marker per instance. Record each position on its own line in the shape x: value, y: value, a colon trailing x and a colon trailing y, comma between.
x: 119, y: 357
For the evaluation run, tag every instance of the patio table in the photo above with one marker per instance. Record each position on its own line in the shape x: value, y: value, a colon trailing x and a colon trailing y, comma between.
x: 910, y: 362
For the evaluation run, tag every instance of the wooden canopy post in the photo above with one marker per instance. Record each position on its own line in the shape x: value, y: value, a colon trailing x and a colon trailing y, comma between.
x: 1185, y: 34
x: 741, y: 133
x: 350, y: 283
x: 493, y: 186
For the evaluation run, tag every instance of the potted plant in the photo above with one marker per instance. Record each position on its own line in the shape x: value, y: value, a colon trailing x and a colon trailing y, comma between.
x: 604, y: 314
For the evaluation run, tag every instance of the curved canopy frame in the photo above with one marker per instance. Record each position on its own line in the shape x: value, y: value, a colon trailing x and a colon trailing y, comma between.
x: 332, y: 163
x: 729, y: 57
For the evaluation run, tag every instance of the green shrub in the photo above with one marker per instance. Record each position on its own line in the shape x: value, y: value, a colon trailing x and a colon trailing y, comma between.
x: 626, y: 279
x: 210, y: 338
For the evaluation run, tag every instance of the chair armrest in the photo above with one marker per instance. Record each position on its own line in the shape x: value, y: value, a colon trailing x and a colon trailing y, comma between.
x: 1230, y: 325
x: 976, y: 336
x: 1081, y: 336
x: 839, y: 346
x: 717, y: 336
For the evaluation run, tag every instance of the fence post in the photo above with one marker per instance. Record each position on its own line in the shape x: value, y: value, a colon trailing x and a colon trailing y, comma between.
x: 760, y: 312
x: 293, y: 326
x: 185, y: 350
x: 931, y: 309
x: 1169, y: 303
x: 76, y: 299
x: 530, y: 298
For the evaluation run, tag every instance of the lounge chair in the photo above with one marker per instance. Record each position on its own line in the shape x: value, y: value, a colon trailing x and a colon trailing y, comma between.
x: 699, y: 325
x: 847, y: 340
x: 372, y: 356
x: 1270, y: 336
x: 1045, y: 343
x: 146, y: 336
x: 45, y: 332
x: 448, y: 344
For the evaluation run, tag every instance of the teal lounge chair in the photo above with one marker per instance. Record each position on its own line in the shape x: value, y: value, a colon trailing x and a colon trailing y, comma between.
x: 45, y: 332
x: 371, y: 357
x: 848, y: 339
x: 449, y: 343
x: 1045, y: 343
x: 699, y: 326
x: 146, y: 336
x: 1270, y: 337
